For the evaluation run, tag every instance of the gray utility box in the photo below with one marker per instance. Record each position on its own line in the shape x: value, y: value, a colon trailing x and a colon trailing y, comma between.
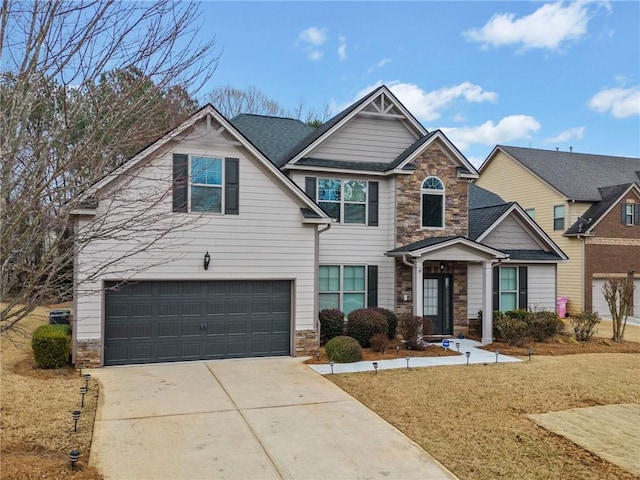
x: 59, y: 317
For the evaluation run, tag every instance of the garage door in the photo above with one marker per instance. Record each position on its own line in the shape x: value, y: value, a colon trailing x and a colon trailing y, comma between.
x: 600, y: 304
x: 147, y: 322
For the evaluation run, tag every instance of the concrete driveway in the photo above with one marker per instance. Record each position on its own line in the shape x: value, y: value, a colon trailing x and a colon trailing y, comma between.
x: 244, y: 419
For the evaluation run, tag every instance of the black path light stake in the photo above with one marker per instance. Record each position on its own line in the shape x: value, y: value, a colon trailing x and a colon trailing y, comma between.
x: 87, y: 377
x: 80, y: 371
x: 458, y: 346
x: 529, y: 352
x: 83, y: 392
x: 397, y: 350
x: 74, y: 455
x: 318, y: 355
x: 375, y: 366
x: 468, y: 354
x: 76, y: 416
x: 331, y: 363
x: 497, y: 353
x: 407, y: 358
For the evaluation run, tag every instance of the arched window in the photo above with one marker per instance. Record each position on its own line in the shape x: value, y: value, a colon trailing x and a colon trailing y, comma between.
x: 432, y: 203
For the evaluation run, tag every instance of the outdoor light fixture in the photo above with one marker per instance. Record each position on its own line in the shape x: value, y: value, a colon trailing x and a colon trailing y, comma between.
x: 318, y: 355
x: 375, y: 366
x: 80, y: 371
x: 497, y: 353
x: 468, y: 354
x: 331, y: 363
x: 83, y: 392
x: 397, y: 350
x: 441, y: 267
x: 86, y: 380
x: 74, y: 455
x: 407, y: 358
x: 529, y: 352
x: 458, y: 346
x: 207, y: 260
x: 76, y: 416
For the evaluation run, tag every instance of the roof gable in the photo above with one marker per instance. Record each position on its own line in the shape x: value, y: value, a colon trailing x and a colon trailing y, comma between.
x: 577, y: 176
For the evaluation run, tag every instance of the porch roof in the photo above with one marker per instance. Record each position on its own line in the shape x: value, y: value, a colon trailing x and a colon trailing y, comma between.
x: 429, y: 246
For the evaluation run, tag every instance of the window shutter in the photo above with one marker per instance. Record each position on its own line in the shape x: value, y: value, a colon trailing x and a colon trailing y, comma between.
x: 231, y: 186
x: 310, y: 187
x: 180, y: 181
x: 636, y: 214
x: 523, y: 301
x: 373, y: 204
x: 496, y: 290
x: 372, y: 286
x: 623, y: 217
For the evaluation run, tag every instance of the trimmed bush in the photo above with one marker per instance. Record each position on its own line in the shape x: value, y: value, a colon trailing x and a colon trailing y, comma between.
x: 412, y: 327
x: 392, y: 320
x: 543, y: 324
x: 343, y: 349
x: 520, y: 314
x: 584, y: 325
x: 364, y: 323
x: 331, y: 324
x: 379, y: 342
x: 512, y: 330
x: 51, y: 345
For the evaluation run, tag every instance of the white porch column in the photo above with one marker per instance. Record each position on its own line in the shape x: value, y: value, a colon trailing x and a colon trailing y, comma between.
x: 418, y: 288
x: 487, y: 303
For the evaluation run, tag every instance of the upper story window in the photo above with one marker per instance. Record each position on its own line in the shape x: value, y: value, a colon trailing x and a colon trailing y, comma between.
x: 630, y: 214
x: 558, y: 217
x: 344, y: 200
x: 432, y: 193
x: 205, y: 192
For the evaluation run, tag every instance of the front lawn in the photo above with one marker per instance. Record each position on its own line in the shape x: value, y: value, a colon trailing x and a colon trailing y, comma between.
x: 474, y: 419
x: 37, y: 426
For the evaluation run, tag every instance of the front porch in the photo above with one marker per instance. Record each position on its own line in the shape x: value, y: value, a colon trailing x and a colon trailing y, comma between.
x: 436, y: 269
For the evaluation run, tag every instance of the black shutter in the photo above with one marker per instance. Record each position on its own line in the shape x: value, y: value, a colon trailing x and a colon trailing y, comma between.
x: 623, y: 217
x: 373, y: 204
x: 231, y: 186
x: 496, y: 290
x: 636, y: 214
x: 180, y: 181
x: 522, y: 288
x: 372, y: 287
x: 310, y: 187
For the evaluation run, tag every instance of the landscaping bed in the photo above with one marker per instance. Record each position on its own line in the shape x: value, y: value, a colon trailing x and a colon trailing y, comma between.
x: 391, y: 353
x: 37, y: 426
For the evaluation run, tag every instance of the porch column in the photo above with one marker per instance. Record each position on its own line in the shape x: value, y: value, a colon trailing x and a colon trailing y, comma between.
x: 487, y: 307
x: 418, y: 288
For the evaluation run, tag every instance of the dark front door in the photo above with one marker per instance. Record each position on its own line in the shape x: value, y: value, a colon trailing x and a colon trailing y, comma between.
x: 438, y: 302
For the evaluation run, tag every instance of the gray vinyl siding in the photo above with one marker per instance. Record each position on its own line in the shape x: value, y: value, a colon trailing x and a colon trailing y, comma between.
x: 510, y: 234
x: 366, y: 139
x: 267, y: 240
x: 474, y: 290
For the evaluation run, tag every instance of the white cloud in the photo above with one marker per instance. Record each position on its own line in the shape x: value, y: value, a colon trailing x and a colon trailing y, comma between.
x: 313, y: 36
x: 621, y: 102
x: 342, y: 48
x: 566, y: 135
x: 428, y: 105
x: 378, y: 65
x: 513, y: 127
x: 549, y: 27
x: 315, y: 55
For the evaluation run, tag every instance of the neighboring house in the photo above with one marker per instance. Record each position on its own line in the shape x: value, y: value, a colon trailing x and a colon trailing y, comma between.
x: 588, y: 204
x: 259, y: 222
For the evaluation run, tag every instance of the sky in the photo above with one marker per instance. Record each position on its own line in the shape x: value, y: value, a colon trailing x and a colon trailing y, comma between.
x: 532, y: 74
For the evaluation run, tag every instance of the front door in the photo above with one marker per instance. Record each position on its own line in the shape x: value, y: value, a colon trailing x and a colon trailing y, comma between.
x: 438, y: 302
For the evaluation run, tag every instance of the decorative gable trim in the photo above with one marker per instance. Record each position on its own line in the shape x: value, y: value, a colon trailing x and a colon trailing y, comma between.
x: 589, y: 231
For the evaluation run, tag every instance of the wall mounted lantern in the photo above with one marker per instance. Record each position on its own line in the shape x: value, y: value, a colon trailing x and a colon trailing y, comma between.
x: 441, y: 267
x: 207, y: 260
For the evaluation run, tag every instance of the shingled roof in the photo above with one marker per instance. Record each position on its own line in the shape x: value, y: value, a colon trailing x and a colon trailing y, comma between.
x: 577, y: 176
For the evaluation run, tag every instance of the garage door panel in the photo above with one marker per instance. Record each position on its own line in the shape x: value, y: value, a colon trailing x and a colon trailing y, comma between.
x: 159, y: 321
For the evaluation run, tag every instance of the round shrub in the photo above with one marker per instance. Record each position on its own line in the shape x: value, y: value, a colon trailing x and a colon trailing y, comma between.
x: 343, y: 349
x: 51, y: 344
x: 379, y: 342
x: 364, y: 323
x: 331, y: 324
x: 544, y: 324
x: 392, y: 321
x: 584, y: 325
x: 512, y: 330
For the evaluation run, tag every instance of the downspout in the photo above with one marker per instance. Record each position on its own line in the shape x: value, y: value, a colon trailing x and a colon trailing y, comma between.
x: 315, y: 280
x: 582, y: 273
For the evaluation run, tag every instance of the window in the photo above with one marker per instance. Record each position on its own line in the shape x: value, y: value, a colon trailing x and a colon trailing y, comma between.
x: 432, y: 203
x: 342, y: 287
x: 558, y: 217
x: 345, y: 201
x: 205, y: 191
x: 531, y: 212
x: 630, y: 214
x: 508, y: 288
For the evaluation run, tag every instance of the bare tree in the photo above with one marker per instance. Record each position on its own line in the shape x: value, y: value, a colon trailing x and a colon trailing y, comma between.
x: 83, y: 85
x: 618, y: 292
x: 231, y: 101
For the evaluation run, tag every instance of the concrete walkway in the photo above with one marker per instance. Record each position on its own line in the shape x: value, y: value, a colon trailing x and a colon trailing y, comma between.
x: 271, y: 418
x: 477, y: 355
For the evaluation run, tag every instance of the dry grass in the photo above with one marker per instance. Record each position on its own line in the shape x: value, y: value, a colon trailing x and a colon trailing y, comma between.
x: 37, y: 428
x: 474, y: 419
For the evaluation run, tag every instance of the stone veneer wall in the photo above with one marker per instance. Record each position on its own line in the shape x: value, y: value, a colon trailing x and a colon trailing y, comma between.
x: 88, y: 353
x: 307, y: 342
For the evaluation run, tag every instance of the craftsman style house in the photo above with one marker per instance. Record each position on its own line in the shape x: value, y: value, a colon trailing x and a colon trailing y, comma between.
x: 588, y: 204
x: 225, y: 237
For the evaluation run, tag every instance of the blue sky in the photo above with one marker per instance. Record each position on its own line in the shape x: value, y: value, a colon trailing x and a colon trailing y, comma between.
x: 533, y: 74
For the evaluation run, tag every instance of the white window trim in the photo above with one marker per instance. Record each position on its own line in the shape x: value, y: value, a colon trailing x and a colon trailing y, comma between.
x: 426, y: 191
x: 341, y: 291
x: 564, y: 214
x: 629, y: 214
x: 342, y: 201
x: 517, y: 289
x: 222, y: 186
